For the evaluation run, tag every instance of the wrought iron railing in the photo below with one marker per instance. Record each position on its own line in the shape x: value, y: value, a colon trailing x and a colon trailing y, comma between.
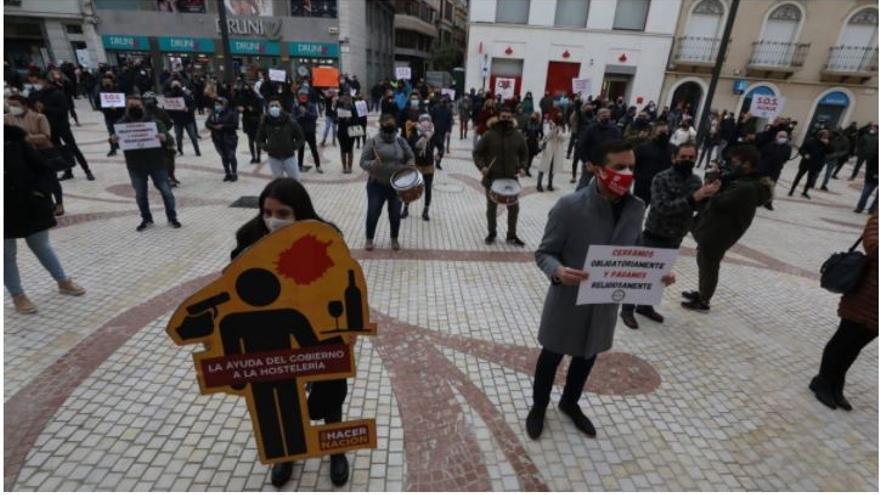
x: 852, y: 59
x: 697, y: 49
x: 778, y: 54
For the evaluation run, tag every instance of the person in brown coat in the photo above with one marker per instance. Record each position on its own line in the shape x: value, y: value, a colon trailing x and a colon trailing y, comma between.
x: 858, y: 327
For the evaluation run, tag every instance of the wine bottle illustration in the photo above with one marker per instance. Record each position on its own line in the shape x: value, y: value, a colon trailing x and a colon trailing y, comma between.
x: 353, y: 302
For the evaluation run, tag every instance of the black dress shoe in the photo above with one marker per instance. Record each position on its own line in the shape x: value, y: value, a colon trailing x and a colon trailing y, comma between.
x: 67, y: 175
x: 281, y: 473
x: 822, y: 393
x: 89, y: 176
x: 629, y: 320
x: 841, y: 401
x: 425, y: 216
x: 581, y: 421
x: 540, y: 188
x: 111, y: 153
x: 806, y: 195
x: 405, y: 212
x: 550, y: 188
x: 143, y: 226
x: 515, y: 241
x: 227, y: 178
x: 338, y: 469
x: 174, y: 223
x: 823, y: 188
x: 649, y: 313
x: 234, y: 178
x: 696, y: 305
x: 768, y: 206
x: 490, y: 239
x: 690, y: 295
x: 535, y: 422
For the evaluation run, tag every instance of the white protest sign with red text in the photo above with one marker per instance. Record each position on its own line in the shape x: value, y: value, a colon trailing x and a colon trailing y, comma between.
x: 625, y: 275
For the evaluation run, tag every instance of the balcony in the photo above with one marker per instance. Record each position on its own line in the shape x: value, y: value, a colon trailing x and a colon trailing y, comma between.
x: 695, y: 53
x: 850, y: 64
x: 776, y: 59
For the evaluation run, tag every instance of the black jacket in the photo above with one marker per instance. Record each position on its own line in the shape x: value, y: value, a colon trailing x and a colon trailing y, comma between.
x: 773, y: 158
x: 308, y: 119
x: 224, y: 127
x: 441, y: 115
x: 813, y: 152
x: 182, y: 117
x: 672, y: 204
x: 252, y: 111
x: 27, y: 187
x: 594, y: 136
x: 651, y: 159
x: 148, y: 157
x: 280, y: 137
x: 55, y: 106
x: 729, y: 213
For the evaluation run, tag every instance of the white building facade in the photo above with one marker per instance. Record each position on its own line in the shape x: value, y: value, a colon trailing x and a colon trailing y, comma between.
x: 620, y: 46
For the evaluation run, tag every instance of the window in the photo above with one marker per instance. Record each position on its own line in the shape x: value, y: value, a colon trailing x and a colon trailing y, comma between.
x: 73, y: 29
x: 512, y: 11
x: 572, y: 13
x: 631, y: 14
x: 313, y: 8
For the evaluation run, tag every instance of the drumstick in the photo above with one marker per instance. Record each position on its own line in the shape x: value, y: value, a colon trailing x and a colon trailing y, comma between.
x: 492, y: 163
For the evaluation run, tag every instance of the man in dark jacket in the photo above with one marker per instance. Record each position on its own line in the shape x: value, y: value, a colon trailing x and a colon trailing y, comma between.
x: 280, y: 136
x: 813, y: 152
x: 724, y: 220
x: 306, y: 115
x: 183, y: 119
x: 652, y: 157
x: 838, y: 156
x: 774, y: 156
x: 675, y: 194
x: 603, y: 131
x: 502, y: 153
x: 53, y: 102
x: 223, y: 124
x: 546, y: 104
x: 147, y: 163
x: 441, y: 115
x: 866, y: 149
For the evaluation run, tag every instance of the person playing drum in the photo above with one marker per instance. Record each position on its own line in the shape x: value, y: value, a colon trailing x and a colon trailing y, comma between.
x: 382, y: 156
x: 502, y: 153
x: 420, y: 140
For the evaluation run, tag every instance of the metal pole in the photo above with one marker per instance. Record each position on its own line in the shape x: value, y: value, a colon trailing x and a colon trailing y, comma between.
x: 716, y: 72
x: 228, y: 75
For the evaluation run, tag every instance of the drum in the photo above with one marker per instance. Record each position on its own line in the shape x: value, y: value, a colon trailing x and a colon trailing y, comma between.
x: 409, y: 184
x: 505, y: 191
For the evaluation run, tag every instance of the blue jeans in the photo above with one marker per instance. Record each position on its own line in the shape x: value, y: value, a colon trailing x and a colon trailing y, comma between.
x: 159, y: 174
x: 39, y: 244
x: 866, y: 193
x: 286, y: 166
x: 377, y: 195
x: 329, y: 123
x: 830, y: 166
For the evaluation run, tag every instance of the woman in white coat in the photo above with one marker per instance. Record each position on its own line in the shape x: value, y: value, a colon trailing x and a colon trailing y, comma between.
x: 554, y: 151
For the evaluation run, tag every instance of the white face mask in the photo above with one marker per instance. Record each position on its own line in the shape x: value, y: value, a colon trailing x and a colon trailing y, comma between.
x: 274, y: 224
x: 16, y: 110
x: 274, y: 111
x: 781, y: 140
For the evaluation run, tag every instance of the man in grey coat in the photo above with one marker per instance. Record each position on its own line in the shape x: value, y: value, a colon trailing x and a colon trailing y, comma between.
x: 603, y: 213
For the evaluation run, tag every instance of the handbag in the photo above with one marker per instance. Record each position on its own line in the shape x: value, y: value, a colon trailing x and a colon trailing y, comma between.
x: 842, y: 272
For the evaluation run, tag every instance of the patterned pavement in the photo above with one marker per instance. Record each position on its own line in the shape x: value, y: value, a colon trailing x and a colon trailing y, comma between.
x: 98, y: 398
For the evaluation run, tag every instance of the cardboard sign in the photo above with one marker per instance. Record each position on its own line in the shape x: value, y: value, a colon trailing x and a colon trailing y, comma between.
x: 625, y: 274
x: 137, y: 135
x: 84, y: 58
x: 173, y: 103
x: 287, y: 311
x: 765, y: 106
x: 277, y: 75
x: 112, y: 100
x: 402, y: 73
x: 504, y: 87
x: 361, y: 107
x: 325, y: 77
x: 580, y: 86
x: 448, y: 92
x: 343, y: 113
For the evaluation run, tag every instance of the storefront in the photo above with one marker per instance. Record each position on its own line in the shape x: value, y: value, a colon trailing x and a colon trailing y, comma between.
x: 187, y: 54
x: 830, y: 111
x: 304, y: 55
x: 249, y: 55
x: 122, y: 48
x: 24, y: 43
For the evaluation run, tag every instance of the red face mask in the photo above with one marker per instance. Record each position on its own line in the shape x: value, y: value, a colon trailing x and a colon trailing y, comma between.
x: 618, y: 182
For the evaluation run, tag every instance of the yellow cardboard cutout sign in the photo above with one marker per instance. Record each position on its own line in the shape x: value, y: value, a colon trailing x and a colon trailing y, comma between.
x: 285, y: 312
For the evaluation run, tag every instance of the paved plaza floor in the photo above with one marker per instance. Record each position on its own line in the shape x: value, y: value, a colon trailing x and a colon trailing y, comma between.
x: 97, y: 397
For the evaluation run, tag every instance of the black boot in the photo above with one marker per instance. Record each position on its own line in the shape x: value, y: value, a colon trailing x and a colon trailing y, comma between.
x: 281, y: 473
x: 68, y: 174
x: 535, y: 422
x: 405, y: 212
x: 823, y: 391
x: 338, y: 469
x: 581, y: 421
x: 425, y: 216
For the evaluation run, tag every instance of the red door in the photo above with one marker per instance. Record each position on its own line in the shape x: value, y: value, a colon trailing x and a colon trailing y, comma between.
x: 516, y: 87
x: 559, y: 76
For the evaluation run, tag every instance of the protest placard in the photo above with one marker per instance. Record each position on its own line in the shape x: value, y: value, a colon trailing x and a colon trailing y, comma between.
x: 343, y: 113
x: 137, y: 135
x: 580, y: 87
x: 448, y: 92
x: 277, y: 75
x: 361, y: 107
x: 112, y: 100
x: 402, y: 73
x: 173, y: 103
x: 625, y: 274
x: 766, y: 106
x: 505, y: 87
